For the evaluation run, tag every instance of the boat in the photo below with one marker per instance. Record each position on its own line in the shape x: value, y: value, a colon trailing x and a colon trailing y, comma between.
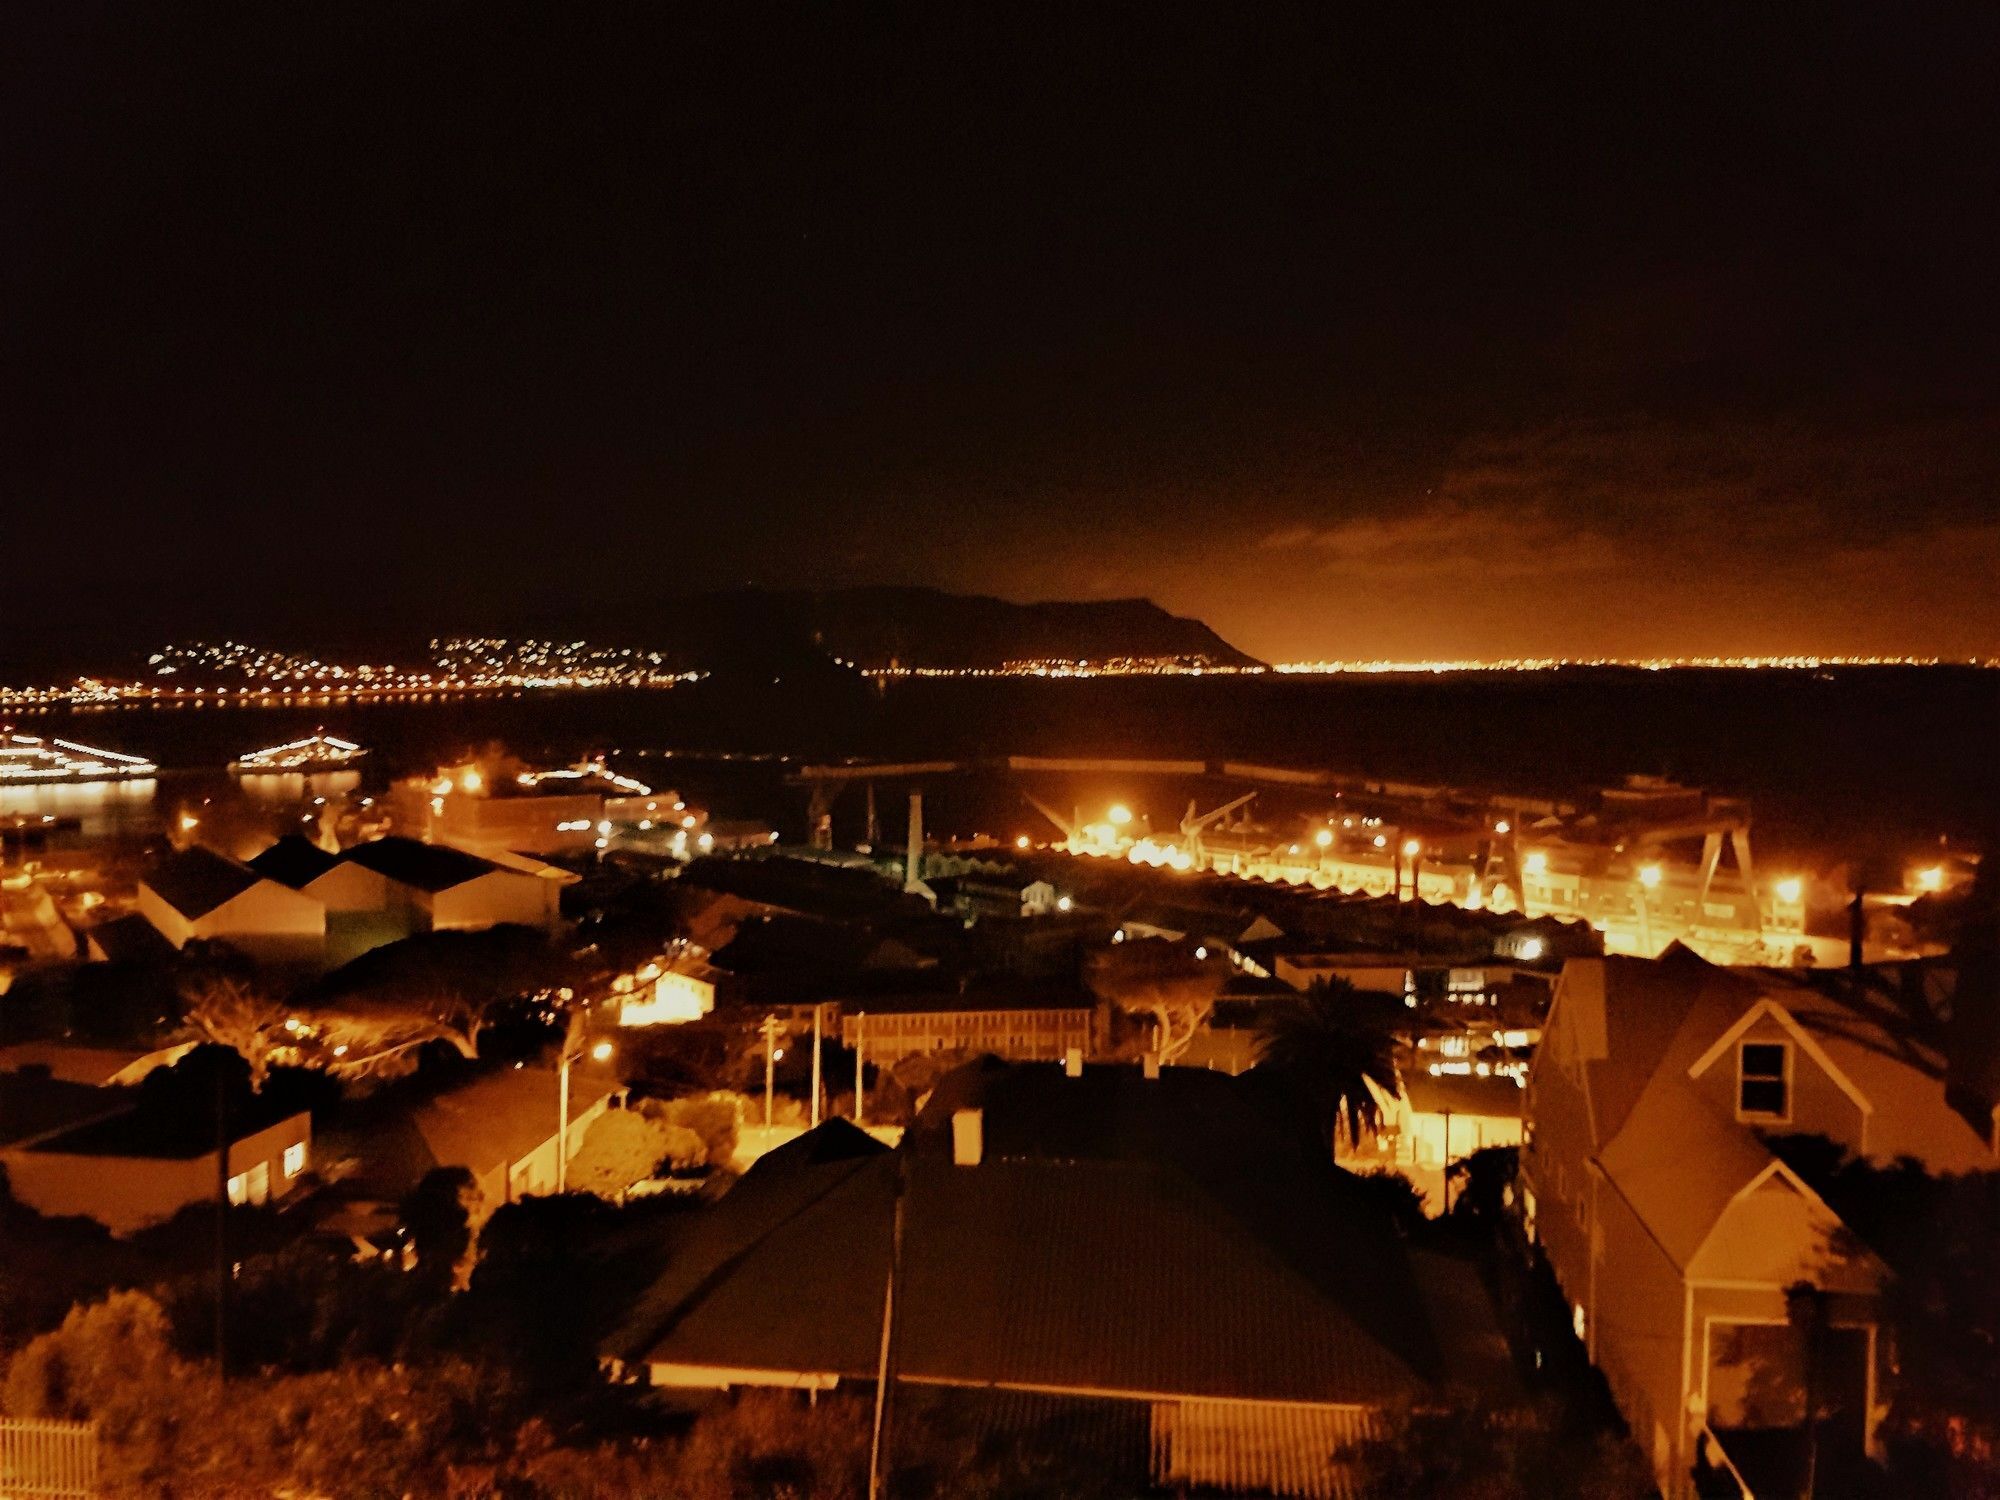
x: 30, y: 760
x: 316, y: 752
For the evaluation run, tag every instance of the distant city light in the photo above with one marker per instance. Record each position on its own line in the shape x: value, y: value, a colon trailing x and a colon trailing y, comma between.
x: 1063, y: 903
x: 1650, y: 876
x: 1931, y: 879
x: 601, y: 1052
x: 1120, y: 814
x: 1324, y: 838
x: 1790, y: 889
x: 1021, y: 842
x: 1531, y: 949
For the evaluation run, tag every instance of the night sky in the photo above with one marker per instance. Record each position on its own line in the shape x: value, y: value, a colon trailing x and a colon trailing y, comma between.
x: 1498, y: 332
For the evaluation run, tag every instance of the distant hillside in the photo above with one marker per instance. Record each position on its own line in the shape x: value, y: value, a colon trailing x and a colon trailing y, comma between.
x: 929, y: 628
x: 793, y: 631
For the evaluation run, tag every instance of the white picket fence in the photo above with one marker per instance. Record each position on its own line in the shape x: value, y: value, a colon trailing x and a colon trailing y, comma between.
x: 47, y: 1460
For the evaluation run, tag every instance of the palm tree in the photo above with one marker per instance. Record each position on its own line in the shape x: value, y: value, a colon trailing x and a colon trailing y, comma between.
x: 1335, y: 1048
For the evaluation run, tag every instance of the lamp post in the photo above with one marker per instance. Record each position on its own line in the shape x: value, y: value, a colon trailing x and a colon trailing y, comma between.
x: 572, y: 1050
x: 770, y: 1029
x: 860, y: 1090
x: 1649, y: 880
x: 815, y: 1070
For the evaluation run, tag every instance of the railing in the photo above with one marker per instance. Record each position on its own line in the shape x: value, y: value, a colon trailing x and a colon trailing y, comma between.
x: 47, y: 1460
x: 1716, y: 1474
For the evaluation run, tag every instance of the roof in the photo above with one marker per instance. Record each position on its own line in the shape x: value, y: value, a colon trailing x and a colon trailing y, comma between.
x: 1110, y: 1242
x: 1463, y: 1094
x: 488, y: 1120
x: 131, y: 939
x: 294, y: 860
x: 195, y: 881
x: 33, y: 1106
x: 1677, y: 1159
x: 425, y: 867
x: 979, y: 998
x: 97, y: 1066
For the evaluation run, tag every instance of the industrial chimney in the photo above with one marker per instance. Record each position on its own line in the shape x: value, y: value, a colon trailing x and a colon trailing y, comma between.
x: 913, y: 853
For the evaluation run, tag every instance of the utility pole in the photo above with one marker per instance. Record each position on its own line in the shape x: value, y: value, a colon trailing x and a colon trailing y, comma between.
x: 572, y: 1044
x: 770, y: 1029
x: 816, y: 1084
x: 221, y: 1225
x: 885, y: 1364
x: 860, y: 1083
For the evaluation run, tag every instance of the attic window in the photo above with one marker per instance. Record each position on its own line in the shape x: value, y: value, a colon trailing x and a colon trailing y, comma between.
x: 1763, y: 1081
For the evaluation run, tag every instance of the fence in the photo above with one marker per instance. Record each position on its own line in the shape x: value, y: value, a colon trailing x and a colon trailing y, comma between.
x: 41, y: 1460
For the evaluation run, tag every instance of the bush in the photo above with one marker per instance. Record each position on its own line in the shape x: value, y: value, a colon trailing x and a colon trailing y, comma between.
x: 622, y: 1146
x: 713, y: 1117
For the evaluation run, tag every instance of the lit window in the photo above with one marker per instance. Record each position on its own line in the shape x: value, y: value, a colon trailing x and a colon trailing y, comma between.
x: 1763, y: 1076
x: 239, y: 1189
x: 295, y: 1159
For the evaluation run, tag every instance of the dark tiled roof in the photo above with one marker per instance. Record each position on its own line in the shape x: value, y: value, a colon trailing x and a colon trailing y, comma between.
x: 194, y: 882
x: 426, y: 867
x: 131, y: 939
x: 294, y: 861
x: 1116, y: 1256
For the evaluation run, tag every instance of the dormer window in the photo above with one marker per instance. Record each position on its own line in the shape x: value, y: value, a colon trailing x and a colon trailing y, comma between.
x: 1764, y: 1082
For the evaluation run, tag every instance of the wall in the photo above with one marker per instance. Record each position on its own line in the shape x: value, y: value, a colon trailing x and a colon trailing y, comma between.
x: 168, y: 922
x: 268, y: 918
x: 1819, y: 1106
x: 502, y: 896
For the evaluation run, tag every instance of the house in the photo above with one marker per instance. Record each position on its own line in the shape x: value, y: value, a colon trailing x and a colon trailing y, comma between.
x: 1649, y: 1185
x: 1089, y: 1239
x: 435, y: 887
x: 1020, y: 1022
x: 681, y: 990
x: 71, y: 1148
x: 974, y: 896
x: 502, y: 1125
x: 1438, y: 1119
x: 197, y: 893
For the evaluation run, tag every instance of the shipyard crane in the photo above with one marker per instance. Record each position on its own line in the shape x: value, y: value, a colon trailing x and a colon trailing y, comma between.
x: 1192, y: 826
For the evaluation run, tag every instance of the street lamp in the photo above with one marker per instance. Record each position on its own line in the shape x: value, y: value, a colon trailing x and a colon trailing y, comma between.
x: 572, y: 1050
x: 1649, y: 880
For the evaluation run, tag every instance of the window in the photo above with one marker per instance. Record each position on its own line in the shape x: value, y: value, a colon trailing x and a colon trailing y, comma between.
x: 295, y: 1159
x: 1763, y: 1081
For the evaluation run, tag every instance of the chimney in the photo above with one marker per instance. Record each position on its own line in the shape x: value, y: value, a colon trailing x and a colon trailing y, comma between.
x: 1073, y: 1063
x: 1152, y: 1064
x: 913, y: 855
x: 968, y: 1136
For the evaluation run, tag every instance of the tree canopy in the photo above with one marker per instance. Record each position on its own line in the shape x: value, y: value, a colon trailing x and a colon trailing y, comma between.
x: 1334, y: 1048
x: 1163, y: 981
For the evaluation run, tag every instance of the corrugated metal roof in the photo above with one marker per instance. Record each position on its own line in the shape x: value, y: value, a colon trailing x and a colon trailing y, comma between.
x: 1258, y: 1447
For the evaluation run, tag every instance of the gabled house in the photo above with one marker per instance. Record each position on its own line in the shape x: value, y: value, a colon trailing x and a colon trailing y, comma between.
x: 438, y: 887
x: 1649, y: 1183
x: 1152, y: 1248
